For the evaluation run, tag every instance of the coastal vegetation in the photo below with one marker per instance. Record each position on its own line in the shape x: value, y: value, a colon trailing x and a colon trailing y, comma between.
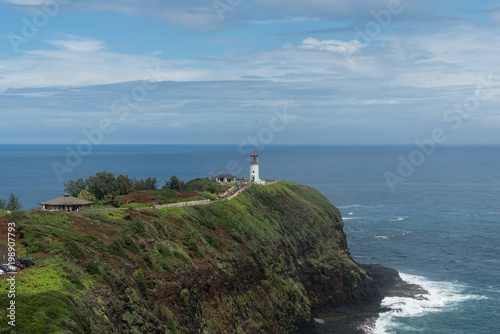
x: 106, y: 185
x: 11, y: 204
x: 106, y: 188
x: 261, y: 262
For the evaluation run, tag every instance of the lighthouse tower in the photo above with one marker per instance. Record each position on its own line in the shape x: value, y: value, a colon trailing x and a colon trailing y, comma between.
x: 254, y: 167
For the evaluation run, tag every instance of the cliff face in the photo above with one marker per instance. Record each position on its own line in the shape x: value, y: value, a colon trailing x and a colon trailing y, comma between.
x: 260, y: 262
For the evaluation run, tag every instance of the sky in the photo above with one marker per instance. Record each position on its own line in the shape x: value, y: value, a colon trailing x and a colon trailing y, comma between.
x: 233, y: 71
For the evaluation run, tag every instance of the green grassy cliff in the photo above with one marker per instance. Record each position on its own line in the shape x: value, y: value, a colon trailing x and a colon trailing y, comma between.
x: 260, y: 262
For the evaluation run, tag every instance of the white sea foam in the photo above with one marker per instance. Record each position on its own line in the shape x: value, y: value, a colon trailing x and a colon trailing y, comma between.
x: 442, y: 296
x: 493, y: 288
x: 399, y: 219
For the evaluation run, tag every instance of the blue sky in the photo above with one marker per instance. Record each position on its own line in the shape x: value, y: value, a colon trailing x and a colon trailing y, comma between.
x: 164, y: 72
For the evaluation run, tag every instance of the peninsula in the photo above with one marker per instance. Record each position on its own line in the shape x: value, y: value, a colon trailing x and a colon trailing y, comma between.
x: 273, y: 259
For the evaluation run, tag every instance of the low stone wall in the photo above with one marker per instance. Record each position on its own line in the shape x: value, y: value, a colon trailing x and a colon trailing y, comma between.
x: 202, y: 202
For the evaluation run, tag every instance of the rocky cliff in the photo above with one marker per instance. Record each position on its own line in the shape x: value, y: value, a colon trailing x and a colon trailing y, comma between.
x: 262, y: 262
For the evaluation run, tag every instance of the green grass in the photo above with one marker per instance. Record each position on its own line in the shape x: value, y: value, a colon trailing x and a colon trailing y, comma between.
x: 46, y: 312
x: 175, y: 212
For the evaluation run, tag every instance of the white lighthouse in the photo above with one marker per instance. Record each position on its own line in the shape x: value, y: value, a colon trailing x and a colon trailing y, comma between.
x: 254, y: 167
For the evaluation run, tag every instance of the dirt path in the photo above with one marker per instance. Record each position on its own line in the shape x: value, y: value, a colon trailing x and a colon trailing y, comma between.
x: 238, y: 192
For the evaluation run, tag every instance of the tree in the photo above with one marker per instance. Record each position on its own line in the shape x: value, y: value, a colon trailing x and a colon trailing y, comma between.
x: 102, y: 185
x: 150, y: 184
x: 105, y: 185
x: 147, y: 184
x: 138, y: 185
x: 13, y: 203
x: 124, y: 184
x: 214, y: 188
x: 175, y: 184
x: 84, y: 194
x: 3, y: 204
x: 75, y: 187
x: 205, y: 184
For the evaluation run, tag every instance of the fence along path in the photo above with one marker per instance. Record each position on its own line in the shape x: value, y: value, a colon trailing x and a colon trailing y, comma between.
x: 202, y: 202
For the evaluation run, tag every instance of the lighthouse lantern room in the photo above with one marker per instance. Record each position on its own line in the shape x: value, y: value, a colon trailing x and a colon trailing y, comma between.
x: 254, y: 167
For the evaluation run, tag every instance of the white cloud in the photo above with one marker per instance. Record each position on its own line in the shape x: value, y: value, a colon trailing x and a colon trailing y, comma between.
x: 79, y: 44
x: 347, y: 48
x: 285, y: 20
x: 374, y: 102
x: 154, y: 53
x: 200, y: 15
x: 457, y: 57
x: 28, y: 2
x: 175, y: 125
x: 494, y: 13
x: 35, y: 95
x: 83, y: 62
x: 324, y: 8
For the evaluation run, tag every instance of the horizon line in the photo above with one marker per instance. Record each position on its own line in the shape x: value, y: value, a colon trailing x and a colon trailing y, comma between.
x: 231, y: 144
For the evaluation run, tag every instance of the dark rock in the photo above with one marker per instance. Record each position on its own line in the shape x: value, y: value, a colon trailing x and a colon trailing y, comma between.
x: 355, y: 317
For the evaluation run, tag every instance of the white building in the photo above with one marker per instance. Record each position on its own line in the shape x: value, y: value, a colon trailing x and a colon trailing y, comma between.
x: 254, y: 168
x: 224, y: 178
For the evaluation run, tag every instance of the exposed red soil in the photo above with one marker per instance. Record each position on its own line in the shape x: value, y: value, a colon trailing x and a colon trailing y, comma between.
x: 185, y: 194
x: 141, y: 197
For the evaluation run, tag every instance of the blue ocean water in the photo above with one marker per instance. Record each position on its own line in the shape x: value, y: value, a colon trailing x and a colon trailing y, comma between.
x: 440, y: 228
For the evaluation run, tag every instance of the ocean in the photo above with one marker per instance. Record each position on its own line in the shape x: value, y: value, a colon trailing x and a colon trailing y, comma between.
x: 437, y: 220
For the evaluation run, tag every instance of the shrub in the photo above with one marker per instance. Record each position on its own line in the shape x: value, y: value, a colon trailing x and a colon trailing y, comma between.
x: 147, y: 259
x: 181, y: 255
x: 164, y: 264
x: 141, y: 281
x: 129, y: 244
x: 211, y: 240
x: 138, y: 226
x: 93, y: 268
x: 164, y: 250
x: 194, y: 250
x: 236, y: 236
x: 115, y: 247
x: 74, y: 249
x: 167, y: 317
x: 184, y: 297
x: 117, y: 201
x: 84, y: 194
x: 77, y: 283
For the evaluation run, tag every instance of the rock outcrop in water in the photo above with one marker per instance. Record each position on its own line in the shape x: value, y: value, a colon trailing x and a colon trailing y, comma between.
x: 266, y: 261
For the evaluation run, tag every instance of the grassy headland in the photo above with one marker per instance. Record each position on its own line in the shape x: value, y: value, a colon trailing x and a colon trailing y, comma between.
x: 260, y: 262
